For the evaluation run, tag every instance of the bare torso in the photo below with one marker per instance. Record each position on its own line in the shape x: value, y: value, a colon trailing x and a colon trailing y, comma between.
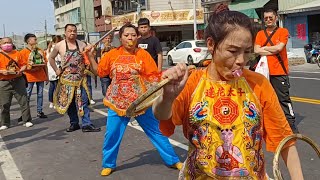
x: 61, y: 47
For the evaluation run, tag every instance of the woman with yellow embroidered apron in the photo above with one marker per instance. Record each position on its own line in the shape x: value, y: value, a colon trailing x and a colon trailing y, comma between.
x: 132, y: 70
x: 226, y: 111
x: 71, y: 94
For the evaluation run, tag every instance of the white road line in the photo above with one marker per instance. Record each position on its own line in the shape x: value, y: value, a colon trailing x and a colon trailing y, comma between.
x: 173, y: 142
x: 305, y: 72
x: 306, y: 78
x: 7, y: 164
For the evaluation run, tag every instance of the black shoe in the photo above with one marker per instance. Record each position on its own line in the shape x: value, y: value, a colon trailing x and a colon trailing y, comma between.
x: 90, y: 128
x: 294, y: 128
x: 41, y: 115
x: 73, y: 127
x: 20, y: 119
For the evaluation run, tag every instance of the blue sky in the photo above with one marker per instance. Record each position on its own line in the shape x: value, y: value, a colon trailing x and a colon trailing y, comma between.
x: 26, y: 16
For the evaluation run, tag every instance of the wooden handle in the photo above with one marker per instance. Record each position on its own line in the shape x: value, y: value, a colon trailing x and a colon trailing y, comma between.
x: 134, y: 106
x: 276, y: 170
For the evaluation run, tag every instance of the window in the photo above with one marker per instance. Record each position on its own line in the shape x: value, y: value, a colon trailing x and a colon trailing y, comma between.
x: 97, y: 12
x: 180, y: 46
x: 126, y: 6
x: 201, y: 44
x: 188, y: 45
x: 73, y: 16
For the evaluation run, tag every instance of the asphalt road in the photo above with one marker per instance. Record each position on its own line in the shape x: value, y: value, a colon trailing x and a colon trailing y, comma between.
x: 47, y: 152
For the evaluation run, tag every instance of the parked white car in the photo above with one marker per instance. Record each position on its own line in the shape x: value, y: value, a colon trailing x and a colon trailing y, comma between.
x: 189, y: 52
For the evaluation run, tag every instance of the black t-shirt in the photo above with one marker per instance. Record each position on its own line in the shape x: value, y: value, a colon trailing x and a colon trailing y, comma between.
x: 152, y: 45
x: 98, y: 54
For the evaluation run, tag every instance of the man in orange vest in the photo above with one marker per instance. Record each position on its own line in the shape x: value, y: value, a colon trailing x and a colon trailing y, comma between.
x: 35, y: 74
x: 12, y: 84
x: 271, y: 42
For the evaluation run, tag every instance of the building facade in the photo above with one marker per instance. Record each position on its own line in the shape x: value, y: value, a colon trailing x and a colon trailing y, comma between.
x: 301, y: 18
x: 171, y: 20
x: 102, y: 15
x: 78, y: 12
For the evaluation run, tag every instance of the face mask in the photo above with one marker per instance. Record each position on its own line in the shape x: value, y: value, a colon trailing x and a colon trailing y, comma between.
x: 7, y: 47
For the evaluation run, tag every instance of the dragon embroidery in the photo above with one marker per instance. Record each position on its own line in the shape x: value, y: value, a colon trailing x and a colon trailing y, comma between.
x: 199, y: 112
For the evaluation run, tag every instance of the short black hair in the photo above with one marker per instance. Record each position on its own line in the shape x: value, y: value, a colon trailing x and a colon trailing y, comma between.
x: 67, y: 25
x: 143, y: 21
x: 28, y: 36
x: 270, y: 11
x: 223, y: 21
x: 128, y: 25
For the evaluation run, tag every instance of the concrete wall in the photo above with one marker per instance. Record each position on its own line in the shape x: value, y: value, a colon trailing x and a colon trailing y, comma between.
x: 79, y: 12
x: 87, y: 15
x: 159, y: 5
x: 67, y: 7
x: 286, y: 4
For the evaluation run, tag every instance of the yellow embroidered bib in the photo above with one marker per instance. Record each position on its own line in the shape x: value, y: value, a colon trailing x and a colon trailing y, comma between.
x: 226, y: 132
x: 127, y: 83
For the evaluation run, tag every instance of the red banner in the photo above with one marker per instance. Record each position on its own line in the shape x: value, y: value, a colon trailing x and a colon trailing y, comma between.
x: 301, y: 31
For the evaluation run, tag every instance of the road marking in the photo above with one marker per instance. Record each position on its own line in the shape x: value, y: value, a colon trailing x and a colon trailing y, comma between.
x: 173, y: 142
x: 7, y: 164
x: 305, y: 72
x: 307, y: 78
x: 305, y: 100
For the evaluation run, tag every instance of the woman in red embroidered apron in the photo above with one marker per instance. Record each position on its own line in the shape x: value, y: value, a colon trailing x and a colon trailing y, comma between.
x: 132, y: 71
x: 225, y: 110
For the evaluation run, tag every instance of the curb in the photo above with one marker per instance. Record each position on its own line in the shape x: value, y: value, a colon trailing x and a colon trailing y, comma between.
x: 296, y: 61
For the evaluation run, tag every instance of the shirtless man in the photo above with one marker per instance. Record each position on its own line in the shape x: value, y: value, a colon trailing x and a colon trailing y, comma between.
x: 71, y: 95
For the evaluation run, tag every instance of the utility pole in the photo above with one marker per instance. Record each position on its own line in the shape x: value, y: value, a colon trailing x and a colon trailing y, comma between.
x: 4, y: 30
x: 195, y: 19
x: 139, y: 8
x: 45, y: 32
x: 85, y: 18
x: 13, y: 38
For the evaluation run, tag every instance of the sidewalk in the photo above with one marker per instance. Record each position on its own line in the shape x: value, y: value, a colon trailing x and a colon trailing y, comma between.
x: 293, y: 61
x: 307, y: 67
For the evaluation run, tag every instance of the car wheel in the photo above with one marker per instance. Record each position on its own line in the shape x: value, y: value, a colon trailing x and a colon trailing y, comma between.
x: 170, y: 62
x: 190, y: 60
x: 318, y: 60
x: 313, y: 59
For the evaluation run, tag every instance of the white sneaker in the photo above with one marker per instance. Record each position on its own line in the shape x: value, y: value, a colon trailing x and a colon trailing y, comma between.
x: 134, y: 123
x: 51, y: 105
x: 3, y: 127
x: 27, y: 124
x: 92, y: 102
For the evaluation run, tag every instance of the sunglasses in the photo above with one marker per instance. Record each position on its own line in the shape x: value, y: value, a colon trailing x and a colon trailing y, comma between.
x: 270, y: 17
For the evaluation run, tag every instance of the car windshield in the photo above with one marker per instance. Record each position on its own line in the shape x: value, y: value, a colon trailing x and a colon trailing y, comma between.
x: 201, y: 44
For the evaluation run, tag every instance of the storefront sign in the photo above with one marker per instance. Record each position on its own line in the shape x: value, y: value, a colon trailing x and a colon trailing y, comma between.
x: 158, y: 18
x: 118, y: 21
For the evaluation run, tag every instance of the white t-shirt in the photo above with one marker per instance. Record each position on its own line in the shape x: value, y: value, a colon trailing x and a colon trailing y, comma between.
x: 51, y: 73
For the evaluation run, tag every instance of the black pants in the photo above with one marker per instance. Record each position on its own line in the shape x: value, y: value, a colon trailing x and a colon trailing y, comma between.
x: 281, y: 86
x: 8, y: 89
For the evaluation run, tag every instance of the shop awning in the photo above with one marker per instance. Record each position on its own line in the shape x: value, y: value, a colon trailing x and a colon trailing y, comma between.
x: 251, y: 13
x: 240, y: 5
x: 311, y: 6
